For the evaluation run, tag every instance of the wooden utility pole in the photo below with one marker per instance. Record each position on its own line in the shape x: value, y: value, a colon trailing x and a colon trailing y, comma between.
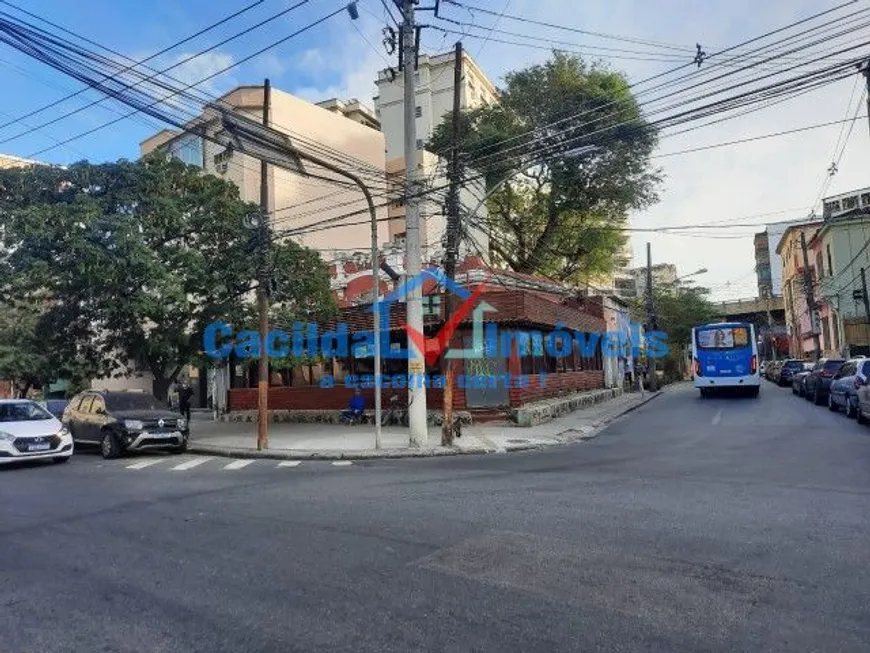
x: 452, y: 249
x: 263, y: 286
x: 810, y: 298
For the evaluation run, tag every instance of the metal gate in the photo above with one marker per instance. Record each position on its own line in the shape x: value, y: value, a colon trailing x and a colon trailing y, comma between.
x: 484, y: 379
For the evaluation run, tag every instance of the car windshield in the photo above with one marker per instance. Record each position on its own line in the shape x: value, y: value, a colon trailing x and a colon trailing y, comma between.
x: 794, y: 365
x: 724, y: 337
x: 134, y: 401
x: 833, y: 366
x: 23, y: 411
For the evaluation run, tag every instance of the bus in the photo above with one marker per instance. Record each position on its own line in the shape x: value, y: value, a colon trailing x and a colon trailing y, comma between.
x: 725, y: 356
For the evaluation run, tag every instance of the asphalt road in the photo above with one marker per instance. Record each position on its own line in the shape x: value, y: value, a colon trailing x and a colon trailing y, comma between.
x: 689, y: 525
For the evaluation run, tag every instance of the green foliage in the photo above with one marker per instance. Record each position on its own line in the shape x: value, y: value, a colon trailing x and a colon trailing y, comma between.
x: 563, y: 217
x: 138, y: 258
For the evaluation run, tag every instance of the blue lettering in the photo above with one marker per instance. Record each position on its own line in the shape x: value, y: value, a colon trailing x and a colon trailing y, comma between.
x: 209, y: 340
x: 655, y: 344
x: 248, y: 344
x: 277, y: 337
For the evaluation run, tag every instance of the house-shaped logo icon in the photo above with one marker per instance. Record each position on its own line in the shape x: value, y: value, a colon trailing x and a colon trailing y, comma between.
x: 432, y: 348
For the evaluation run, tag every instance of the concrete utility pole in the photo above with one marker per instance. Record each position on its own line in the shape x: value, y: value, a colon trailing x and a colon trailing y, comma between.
x: 865, y: 297
x: 263, y: 289
x: 866, y: 72
x: 452, y: 247
x: 650, y: 319
x: 810, y: 298
x: 419, y: 435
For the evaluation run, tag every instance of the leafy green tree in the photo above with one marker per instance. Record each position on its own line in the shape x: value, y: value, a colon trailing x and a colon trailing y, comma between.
x: 562, y: 217
x: 139, y: 258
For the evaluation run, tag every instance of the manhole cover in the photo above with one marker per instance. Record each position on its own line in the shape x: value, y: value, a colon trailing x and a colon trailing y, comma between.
x: 517, y: 441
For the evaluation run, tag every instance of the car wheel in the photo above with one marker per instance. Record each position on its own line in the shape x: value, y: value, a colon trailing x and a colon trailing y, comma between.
x: 850, y: 409
x: 860, y: 416
x: 817, y: 397
x: 109, y: 446
x: 793, y: 390
x: 832, y: 405
x: 182, y: 448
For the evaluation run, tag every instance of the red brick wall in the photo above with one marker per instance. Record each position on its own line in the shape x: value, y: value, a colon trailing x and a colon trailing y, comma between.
x: 338, y: 398
x: 555, y: 385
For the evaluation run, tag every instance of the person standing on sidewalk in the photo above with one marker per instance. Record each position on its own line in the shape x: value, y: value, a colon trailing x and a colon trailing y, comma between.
x: 185, y: 394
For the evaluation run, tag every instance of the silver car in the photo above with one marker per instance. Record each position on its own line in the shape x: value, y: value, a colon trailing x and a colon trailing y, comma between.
x: 844, y: 386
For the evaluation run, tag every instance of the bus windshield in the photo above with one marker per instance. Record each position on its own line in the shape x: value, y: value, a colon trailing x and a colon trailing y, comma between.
x: 723, y: 337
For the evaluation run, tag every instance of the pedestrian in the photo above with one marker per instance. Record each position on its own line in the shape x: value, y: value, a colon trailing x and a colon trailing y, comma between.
x: 185, y: 394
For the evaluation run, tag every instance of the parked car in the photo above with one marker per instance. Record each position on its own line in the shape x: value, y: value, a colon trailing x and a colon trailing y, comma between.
x: 762, y: 369
x: 798, y: 379
x: 29, y: 432
x: 787, y: 370
x: 862, y: 383
x: 818, y: 382
x: 124, y: 421
x: 844, y: 386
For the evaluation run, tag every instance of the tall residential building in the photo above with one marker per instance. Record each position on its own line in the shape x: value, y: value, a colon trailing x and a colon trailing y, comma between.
x: 800, y: 325
x: 9, y: 161
x: 762, y: 265
x: 353, y: 110
x: 434, y: 98
x: 296, y: 201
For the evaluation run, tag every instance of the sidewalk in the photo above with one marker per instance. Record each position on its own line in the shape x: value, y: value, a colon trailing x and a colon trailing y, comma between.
x: 334, y: 442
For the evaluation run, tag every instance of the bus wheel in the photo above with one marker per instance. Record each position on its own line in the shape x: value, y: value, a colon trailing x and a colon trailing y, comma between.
x: 704, y: 393
x: 755, y: 392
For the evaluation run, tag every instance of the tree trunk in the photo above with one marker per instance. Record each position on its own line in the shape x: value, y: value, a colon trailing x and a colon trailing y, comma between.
x: 161, y: 388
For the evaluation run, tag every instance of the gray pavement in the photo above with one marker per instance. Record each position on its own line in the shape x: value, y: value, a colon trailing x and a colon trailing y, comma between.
x: 687, y: 525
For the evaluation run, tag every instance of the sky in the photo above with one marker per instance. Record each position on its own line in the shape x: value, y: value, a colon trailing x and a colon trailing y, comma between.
x: 768, y: 180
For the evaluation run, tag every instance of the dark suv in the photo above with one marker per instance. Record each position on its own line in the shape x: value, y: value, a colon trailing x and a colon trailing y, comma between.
x: 788, y: 370
x: 818, y: 382
x: 124, y: 421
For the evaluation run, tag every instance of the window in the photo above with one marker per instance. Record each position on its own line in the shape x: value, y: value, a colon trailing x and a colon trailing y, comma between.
x: 819, y: 266
x: 865, y: 199
x: 830, y: 265
x: 188, y: 149
x: 85, y: 406
x: 418, y: 111
x: 850, y: 203
x: 432, y: 305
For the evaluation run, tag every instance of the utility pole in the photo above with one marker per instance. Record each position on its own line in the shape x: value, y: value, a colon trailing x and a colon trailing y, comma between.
x: 865, y: 298
x: 866, y: 72
x: 419, y: 435
x: 650, y: 319
x: 263, y: 288
x: 452, y: 247
x: 810, y: 298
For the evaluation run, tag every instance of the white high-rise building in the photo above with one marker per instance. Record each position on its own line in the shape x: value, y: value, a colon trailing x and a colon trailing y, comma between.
x: 434, y: 91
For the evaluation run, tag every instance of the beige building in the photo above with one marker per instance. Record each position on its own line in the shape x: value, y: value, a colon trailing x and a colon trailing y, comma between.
x: 9, y: 161
x: 296, y: 202
x: 434, y: 91
x: 353, y: 110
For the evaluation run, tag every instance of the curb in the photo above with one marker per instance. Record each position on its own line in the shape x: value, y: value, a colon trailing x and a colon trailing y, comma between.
x: 392, y: 454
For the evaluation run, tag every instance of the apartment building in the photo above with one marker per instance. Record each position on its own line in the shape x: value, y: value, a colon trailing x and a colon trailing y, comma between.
x: 295, y: 201
x: 352, y: 110
x: 763, y: 272
x: 800, y: 325
x: 434, y: 97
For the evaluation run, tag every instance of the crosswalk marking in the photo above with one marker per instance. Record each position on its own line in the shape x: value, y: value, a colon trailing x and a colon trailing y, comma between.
x: 190, y: 464
x: 289, y: 463
x: 142, y: 464
x: 238, y: 464
x: 342, y: 463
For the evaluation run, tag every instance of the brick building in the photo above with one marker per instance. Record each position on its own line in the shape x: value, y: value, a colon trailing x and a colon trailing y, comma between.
x: 514, y: 303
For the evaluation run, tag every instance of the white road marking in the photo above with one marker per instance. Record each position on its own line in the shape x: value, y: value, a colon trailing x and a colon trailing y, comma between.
x: 142, y: 464
x: 717, y: 417
x: 342, y: 463
x: 190, y: 464
x: 238, y: 464
x: 289, y: 463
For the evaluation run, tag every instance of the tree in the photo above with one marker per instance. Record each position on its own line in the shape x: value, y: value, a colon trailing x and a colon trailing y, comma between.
x: 562, y: 217
x: 138, y: 258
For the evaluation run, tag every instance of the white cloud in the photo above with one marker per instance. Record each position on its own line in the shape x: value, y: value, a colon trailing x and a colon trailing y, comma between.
x: 270, y: 65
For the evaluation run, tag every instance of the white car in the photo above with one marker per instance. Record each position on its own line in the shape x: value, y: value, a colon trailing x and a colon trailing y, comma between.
x: 29, y: 432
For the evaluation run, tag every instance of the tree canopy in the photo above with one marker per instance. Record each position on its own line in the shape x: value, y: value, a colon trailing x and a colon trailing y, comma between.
x: 559, y: 215
x: 133, y: 260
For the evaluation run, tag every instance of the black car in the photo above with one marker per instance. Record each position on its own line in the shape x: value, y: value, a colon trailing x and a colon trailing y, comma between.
x: 124, y: 421
x: 788, y: 370
x: 818, y: 382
